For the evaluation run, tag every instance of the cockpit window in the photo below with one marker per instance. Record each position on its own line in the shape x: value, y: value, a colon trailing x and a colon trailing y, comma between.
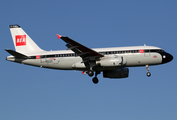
x: 156, y: 50
x: 160, y: 50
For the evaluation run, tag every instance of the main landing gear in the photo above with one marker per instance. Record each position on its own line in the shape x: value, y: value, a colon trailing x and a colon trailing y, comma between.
x: 90, y: 73
x: 95, y: 79
x: 147, y: 69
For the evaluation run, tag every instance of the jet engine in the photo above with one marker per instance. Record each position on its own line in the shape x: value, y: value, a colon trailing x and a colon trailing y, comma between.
x: 112, y: 61
x: 119, y: 73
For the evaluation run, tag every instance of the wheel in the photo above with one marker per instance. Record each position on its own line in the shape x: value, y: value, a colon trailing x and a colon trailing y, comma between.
x: 95, y: 80
x: 90, y: 73
x: 148, y: 74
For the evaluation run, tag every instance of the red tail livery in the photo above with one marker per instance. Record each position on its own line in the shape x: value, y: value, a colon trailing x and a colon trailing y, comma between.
x: 20, y: 40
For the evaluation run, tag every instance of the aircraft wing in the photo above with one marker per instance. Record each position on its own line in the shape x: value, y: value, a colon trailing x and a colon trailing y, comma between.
x: 84, y: 52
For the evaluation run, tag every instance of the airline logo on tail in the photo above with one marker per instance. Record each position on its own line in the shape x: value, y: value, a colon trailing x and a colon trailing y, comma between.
x: 20, y: 40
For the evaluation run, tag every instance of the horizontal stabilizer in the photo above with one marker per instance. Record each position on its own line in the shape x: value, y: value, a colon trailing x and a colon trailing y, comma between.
x: 16, y: 54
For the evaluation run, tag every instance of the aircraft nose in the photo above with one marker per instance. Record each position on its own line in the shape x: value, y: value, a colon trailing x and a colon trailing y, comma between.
x: 166, y: 57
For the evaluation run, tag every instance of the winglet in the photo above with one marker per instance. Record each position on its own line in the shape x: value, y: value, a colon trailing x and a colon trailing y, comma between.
x: 59, y: 36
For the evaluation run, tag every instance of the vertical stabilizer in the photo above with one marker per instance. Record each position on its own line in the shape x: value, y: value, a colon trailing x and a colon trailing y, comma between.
x: 22, y: 42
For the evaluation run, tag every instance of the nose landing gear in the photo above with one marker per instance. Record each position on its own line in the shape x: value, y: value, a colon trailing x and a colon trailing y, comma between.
x: 147, y: 69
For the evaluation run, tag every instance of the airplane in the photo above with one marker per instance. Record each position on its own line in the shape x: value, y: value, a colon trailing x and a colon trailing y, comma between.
x: 113, y: 62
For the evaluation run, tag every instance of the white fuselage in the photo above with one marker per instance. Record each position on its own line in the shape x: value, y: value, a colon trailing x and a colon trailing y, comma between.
x: 67, y: 59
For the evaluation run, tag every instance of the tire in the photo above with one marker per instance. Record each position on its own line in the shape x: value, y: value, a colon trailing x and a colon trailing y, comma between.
x: 148, y: 74
x: 95, y: 80
x: 90, y: 73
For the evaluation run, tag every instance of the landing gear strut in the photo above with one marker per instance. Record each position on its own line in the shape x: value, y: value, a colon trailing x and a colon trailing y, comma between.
x: 147, y: 69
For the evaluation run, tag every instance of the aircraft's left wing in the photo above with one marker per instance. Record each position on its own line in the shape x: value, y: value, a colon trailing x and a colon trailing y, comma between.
x: 84, y: 52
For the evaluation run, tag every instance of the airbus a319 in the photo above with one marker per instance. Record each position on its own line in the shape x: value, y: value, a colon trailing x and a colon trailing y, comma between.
x: 113, y: 62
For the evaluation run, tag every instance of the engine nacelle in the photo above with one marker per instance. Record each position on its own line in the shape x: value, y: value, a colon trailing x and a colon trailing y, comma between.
x: 119, y: 73
x: 113, y: 61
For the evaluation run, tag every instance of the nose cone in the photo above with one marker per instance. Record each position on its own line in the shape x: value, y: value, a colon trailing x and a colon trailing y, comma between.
x: 166, y: 57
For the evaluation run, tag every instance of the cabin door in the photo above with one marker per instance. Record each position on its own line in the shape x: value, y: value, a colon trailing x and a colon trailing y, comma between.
x: 146, y: 51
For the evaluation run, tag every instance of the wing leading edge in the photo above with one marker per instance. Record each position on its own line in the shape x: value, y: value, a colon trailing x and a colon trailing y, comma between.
x: 81, y: 50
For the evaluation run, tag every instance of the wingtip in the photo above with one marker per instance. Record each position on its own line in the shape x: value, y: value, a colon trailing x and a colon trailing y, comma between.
x: 59, y: 36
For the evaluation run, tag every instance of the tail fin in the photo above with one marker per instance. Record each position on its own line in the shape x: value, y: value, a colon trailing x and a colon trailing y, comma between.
x: 22, y: 42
